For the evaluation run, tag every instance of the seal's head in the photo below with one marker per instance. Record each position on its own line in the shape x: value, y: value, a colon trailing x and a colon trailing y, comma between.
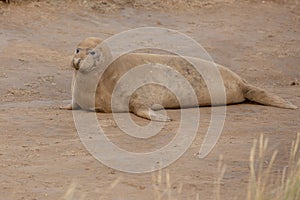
x: 98, y: 58
x: 84, y: 48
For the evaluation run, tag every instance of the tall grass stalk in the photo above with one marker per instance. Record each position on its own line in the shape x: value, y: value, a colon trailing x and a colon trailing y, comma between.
x: 262, y: 185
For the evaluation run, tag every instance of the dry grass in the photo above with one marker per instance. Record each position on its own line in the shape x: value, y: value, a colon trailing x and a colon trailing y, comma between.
x: 183, y: 5
x: 107, y: 6
x: 264, y: 186
x: 218, y: 183
x: 162, y: 186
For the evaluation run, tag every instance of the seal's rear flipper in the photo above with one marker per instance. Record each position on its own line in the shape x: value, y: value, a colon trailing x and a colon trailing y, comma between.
x: 266, y: 98
x: 147, y: 113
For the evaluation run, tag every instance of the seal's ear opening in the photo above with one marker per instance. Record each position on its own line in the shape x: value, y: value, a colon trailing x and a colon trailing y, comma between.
x: 92, y: 52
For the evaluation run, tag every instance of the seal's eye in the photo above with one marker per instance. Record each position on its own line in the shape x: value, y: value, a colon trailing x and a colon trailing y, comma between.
x: 77, y: 51
x: 92, y: 52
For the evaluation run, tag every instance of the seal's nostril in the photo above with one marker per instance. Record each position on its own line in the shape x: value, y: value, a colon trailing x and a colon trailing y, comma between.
x: 78, y: 63
x: 75, y: 63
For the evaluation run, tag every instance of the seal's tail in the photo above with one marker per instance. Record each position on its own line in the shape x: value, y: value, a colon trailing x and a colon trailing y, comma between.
x: 266, y: 98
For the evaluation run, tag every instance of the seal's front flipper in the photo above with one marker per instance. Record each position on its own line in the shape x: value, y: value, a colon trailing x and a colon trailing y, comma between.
x: 67, y: 107
x: 71, y: 106
x: 148, y: 113
x: 156, y: 116
x: 263, y: 97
